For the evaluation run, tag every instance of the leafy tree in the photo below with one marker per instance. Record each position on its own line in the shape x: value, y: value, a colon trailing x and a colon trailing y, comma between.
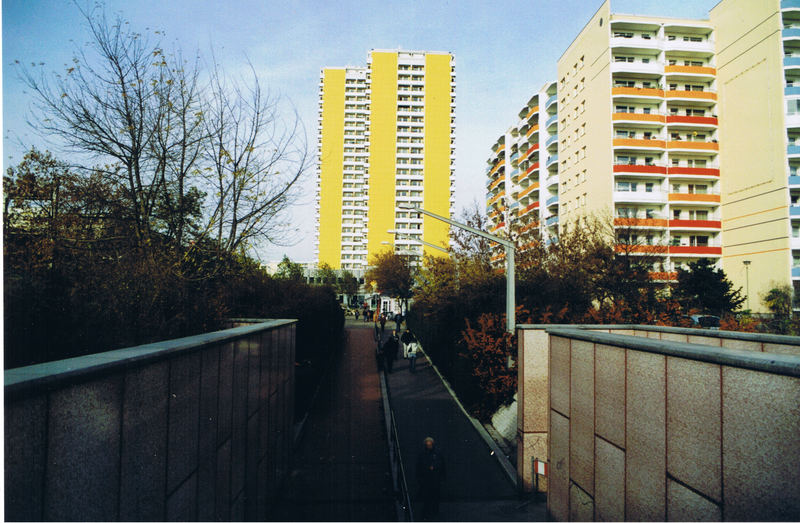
x: 347, y: 284
x: 704, y: 287
x: 392, y: 272
x: 779, y: 301
x: 326, y: 275
x: 289, y: 270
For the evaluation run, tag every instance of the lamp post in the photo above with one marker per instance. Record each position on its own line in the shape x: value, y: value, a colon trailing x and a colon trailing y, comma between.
x: 747, y: 280
x: 412, y: 239
x: 509, y: 248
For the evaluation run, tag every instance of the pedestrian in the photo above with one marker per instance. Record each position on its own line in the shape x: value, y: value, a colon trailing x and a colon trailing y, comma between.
x: 398, y: 321
x: 382, y: 319
x: 390, y: 351
x: 364, y: 313
x: 430, y: 475
x: 410, y: 349
x: 413, y: 347
x: 405, y: 339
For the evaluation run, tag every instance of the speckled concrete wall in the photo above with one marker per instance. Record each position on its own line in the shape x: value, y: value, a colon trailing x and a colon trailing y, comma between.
x: 191, y: 429
x: 671, y: 431
x: 536, y: 393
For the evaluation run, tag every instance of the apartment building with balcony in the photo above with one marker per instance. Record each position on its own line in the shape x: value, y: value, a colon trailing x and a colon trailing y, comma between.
x: 386, y: 136
x: 638, y: 135
x: 758, y: 57
x: 518, y: 172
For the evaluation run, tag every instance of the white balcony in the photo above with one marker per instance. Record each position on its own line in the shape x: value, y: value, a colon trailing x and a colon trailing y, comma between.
x: 654, y: 67
x: 640, y: 196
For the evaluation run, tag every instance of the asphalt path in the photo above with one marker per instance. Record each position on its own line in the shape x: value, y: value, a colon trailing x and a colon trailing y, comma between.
x: 340, y: 470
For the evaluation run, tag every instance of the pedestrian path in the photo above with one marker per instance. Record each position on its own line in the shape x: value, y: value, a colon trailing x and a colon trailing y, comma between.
x: 476, y: 487
x: 341, y: 470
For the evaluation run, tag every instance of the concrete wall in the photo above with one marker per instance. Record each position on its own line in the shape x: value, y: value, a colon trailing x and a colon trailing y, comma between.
x: 533, y: 401
x: 644, y: 429
x: 197, y: 428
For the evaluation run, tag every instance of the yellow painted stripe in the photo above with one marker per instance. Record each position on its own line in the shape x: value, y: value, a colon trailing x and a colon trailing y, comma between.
x: 436, y: 186
x: 382, y: 150
x: 756, y: 252
x: 755, y: 213
x: 331, y: 166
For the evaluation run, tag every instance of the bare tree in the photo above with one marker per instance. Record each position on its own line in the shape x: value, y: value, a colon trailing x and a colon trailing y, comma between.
x: 212, y: 162
x: 255, y: 158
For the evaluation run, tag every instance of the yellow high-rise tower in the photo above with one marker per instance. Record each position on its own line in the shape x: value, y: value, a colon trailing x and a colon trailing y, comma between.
x: 386, y: 136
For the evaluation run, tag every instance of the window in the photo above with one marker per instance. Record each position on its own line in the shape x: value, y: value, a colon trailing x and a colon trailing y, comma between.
x: 650, y: 213
x: 676, y: 240
x: 648, y: 187
x: 646, y: 36
x: 620, y: 34
x: 676, y: 214
x: 676, y: 187
x: 701, y: 215
x: 670, y: 37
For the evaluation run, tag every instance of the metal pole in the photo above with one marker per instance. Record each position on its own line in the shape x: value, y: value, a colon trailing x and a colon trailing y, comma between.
x: 511, y: 298
x: 747, y: 278
x: 509, y: 248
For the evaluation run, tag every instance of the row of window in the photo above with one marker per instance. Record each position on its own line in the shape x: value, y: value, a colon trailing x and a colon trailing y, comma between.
x: 670, y: 37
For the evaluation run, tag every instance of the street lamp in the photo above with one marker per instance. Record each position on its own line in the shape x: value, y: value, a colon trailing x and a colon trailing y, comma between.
x: 509, y: 248
x: 412, y: 239
x: 747, y: 279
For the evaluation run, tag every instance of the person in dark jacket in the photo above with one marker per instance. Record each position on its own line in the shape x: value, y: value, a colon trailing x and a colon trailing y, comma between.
x: 430, y: 475
x: 390, y: 348
x: 382, y: 321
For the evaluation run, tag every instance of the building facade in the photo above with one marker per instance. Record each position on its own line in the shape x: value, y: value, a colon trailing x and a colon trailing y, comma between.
x: 758, y: 56
x: 386, y: 137
x: 630, y: 131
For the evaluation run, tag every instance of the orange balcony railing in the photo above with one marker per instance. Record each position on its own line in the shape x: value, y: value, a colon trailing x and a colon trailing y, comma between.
x: 696, y: 146
x: 534, y: 167
x: 532, y: 130
x: 640, y: 222
x: 497, y: 167
x: 692, y: 224
x: 532, y: 187
x: 638, y: 117
x: 534, y: 110
x: 690, y: 69
x: 525, y: 210
x: 496, y: 197
x: 694, y: 249
x: 529, y: 227
x: 497, y: 182
x: 663, y: 276
x: 686, y: 197
x: 679, y: 93
x: 641, y: 249
x: 693, y: 171
x: 636, y: 142
x: 699, y: 120
x: 637, y: 91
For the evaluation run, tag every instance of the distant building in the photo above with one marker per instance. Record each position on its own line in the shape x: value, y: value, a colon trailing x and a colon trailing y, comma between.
x: 386, y: 136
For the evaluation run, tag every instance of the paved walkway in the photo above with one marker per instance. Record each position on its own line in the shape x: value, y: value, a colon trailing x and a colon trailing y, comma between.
x: 341, y: 468
x: 476, y: 487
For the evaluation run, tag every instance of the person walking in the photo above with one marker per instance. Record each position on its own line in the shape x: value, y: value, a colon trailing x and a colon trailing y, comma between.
x: 430, y: 475
x: 406, y: 339
x: 398, y: 321
x: 382, y: 320
x: 410, y: 348
x: 390, y: 348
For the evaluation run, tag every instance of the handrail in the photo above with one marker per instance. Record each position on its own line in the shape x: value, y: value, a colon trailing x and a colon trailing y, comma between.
x: 401, y: 480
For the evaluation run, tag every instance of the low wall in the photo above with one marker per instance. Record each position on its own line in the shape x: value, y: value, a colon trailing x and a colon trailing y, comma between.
x: 534, y: 377
x: 196, y: 428
x: 644, y: 429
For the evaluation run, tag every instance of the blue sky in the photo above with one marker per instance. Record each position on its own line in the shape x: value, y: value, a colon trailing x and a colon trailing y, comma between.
x: 504, y: 52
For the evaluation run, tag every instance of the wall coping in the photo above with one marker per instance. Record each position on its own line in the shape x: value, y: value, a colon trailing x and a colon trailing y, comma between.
x: 731, y: 335
x: 35, y: 379
x: 784, y: 364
